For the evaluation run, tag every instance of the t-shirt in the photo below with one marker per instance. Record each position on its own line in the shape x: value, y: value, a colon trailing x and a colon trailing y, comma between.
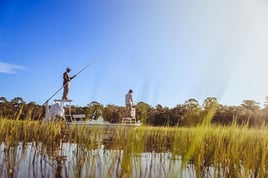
x: 129, y: 98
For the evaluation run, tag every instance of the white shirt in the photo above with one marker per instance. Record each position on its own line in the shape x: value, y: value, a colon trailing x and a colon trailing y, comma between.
x: 129, y: 98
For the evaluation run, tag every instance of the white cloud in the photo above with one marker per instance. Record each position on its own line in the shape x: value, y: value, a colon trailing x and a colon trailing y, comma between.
x: 10, y: 68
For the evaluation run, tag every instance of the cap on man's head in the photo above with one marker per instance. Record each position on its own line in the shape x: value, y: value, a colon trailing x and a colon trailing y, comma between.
x: 68, y: 69
x: 130, y: 91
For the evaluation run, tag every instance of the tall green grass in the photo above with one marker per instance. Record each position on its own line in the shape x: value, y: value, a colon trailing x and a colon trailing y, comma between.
x: 233, y: 151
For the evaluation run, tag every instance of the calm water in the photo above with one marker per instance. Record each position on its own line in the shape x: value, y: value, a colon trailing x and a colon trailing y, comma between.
x: 70, y: 160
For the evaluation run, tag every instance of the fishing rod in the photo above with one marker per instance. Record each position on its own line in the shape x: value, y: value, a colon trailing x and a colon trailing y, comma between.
x: 90, y: 63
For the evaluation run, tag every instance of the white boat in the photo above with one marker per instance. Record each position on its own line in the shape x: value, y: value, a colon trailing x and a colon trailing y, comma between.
x: 58, y: 109
x: 101, y: 122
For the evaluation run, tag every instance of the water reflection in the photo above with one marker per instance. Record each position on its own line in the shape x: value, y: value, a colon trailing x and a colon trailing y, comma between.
x: 70, y: 160
x: 62, y: 160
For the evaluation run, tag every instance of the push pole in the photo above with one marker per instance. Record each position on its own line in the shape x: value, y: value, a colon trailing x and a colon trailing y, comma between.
x: 91, y: 62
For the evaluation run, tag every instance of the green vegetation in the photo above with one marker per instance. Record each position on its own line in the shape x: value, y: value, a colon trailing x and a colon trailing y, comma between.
x: 232, y: 151
x: 215, y: 140
x: 189, y: 114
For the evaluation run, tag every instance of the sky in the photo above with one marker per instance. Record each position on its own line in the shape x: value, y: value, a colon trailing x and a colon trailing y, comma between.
x: 166, y: 51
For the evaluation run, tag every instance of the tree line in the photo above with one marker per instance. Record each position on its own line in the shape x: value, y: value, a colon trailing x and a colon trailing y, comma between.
x: 190, y: 113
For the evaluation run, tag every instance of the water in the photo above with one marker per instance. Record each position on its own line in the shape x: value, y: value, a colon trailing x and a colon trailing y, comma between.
x: 33, y: 160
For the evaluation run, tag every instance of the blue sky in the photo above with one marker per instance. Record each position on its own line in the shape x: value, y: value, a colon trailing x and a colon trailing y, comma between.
x: 167, y: 51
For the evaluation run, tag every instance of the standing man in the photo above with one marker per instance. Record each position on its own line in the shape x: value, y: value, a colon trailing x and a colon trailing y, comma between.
x: 129, y: 102
x: 66, y: 83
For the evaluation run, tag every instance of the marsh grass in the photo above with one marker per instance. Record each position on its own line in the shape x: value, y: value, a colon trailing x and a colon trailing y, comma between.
x: 212, y: 151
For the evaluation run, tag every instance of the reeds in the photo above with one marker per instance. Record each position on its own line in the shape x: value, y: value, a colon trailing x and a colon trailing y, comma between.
x: 206, y: 150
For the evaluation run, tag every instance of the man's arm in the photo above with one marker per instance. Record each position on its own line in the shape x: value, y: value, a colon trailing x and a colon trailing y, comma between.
x: 72, y: 77
x: 131, y: 100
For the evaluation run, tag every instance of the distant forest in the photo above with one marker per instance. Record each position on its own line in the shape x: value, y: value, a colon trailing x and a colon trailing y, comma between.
x: 190, y: 113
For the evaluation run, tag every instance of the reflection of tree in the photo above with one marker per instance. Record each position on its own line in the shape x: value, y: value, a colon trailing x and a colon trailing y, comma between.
x: 33, y: 157
x: 11, y: 159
